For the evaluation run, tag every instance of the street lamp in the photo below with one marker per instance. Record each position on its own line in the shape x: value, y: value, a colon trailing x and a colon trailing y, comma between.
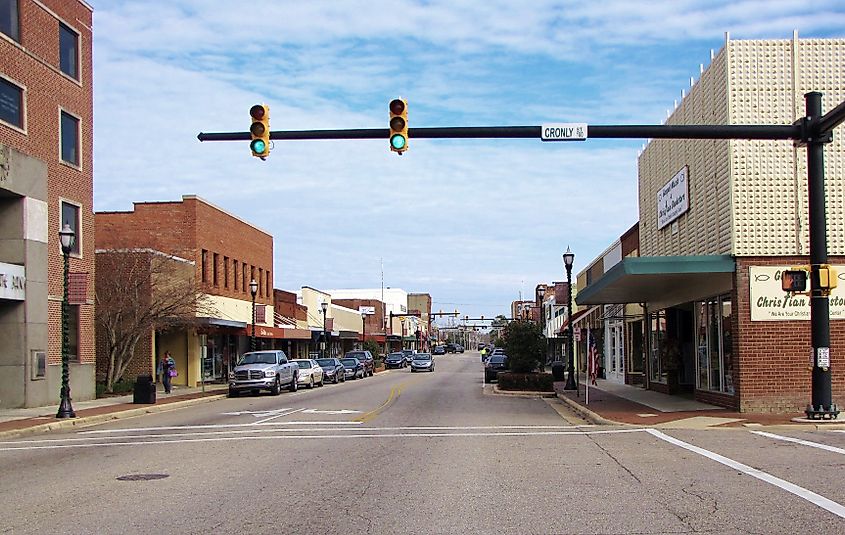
x: 324, y: 305
x: 568, y: 259
x: 541, y: 292
x: 253, y: 289
x: 66, y: 237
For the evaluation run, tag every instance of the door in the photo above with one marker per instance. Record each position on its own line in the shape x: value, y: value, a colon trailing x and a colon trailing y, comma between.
x: 615, y: 351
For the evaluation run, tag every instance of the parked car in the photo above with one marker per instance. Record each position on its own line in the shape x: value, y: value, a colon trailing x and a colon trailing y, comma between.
x: 450, y: 348
x: 263, y: 370
x: 366, y: 359
x: 409, y: 356
x: 439, y: 350
x: 332, y: 369
x: 459, y: 348
x: 310, y: 373
x: 480, y: 347
x: 395, y: 360
x: 494, y: 365
x: 422, y: 362
x: 352, y: 368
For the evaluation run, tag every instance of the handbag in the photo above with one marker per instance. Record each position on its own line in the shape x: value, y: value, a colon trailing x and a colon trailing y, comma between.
x: 172, y: 372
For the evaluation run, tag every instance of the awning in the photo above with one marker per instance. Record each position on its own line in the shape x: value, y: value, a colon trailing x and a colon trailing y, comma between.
x: 394, y: 338
x: 348, y: 335
x: 262, y: 331
x: 661, y: 281
x: 218, y: 322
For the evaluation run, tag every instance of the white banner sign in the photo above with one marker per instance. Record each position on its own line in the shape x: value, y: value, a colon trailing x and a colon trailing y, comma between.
x: 770, y: 303
x: 673, y: 198
x: 367, y: 311
x: 12, y: 282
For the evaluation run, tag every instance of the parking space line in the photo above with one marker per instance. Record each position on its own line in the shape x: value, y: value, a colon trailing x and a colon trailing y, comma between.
x: 818, y: 445
x: 801, y: 492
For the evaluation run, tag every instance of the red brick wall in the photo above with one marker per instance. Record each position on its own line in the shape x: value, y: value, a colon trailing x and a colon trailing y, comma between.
x: 631, y: 240
x: 373, y: 323
x: 773, y: 357
x: 34, y: 65
x: 285, y: 304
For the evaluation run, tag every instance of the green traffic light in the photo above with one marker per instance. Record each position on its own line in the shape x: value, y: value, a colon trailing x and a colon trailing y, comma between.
x: 397, y: 141
x: 258, y: 146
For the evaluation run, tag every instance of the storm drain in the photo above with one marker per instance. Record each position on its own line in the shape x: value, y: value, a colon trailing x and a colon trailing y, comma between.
x: 142, y: 477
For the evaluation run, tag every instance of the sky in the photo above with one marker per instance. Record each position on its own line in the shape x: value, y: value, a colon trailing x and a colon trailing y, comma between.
x: 475, y: 223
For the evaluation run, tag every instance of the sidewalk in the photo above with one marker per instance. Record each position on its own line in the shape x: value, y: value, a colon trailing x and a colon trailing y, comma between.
x: 16, y: 422
x: 612, y: 403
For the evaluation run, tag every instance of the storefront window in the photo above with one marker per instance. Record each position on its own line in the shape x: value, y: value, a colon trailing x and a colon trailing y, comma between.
x: 657, y: 334
x: 702, y: 359
x: 727, y: 346
x: 713, y: 345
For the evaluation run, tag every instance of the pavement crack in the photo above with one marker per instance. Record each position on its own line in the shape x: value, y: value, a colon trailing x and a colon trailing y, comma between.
x: 622, y: 466
x: 714, y: 503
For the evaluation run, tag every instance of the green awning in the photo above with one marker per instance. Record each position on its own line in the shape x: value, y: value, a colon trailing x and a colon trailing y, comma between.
x: 661, y: 281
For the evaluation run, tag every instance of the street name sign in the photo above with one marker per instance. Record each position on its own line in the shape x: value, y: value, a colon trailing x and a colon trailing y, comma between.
x: 563, y: 132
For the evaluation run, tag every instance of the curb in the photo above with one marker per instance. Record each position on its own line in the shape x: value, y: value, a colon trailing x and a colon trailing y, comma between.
x: 521, y: 393
x: 587, y: 414
x: 100, y: 418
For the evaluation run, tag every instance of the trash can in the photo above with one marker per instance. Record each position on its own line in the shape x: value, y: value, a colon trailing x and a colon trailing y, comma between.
x: 145, y: 390
x: 559, y: 370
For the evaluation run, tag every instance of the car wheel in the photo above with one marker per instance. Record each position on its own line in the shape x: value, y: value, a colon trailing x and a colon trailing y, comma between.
x: 277, y: 388
x: 311, y: 382
x: 294, y: 384
x: 233, y: 393
x: 322, y: 381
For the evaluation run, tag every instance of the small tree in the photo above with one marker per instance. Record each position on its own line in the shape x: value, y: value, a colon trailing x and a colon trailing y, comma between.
x: 139, y: 292
x: 372, y: 347
x: 523, y: 345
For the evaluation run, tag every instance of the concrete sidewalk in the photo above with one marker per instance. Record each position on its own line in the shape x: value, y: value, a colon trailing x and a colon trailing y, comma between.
x: 612, y: 403
x: 16, y: 422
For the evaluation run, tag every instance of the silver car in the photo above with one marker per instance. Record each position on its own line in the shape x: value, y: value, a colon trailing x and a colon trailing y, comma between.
x: 423, y: 362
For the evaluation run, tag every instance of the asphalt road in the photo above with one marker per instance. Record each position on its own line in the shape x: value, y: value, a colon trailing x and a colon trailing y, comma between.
x: 409, y: 452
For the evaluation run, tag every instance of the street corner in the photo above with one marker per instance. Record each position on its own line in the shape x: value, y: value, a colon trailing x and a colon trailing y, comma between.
x: 587, y: 414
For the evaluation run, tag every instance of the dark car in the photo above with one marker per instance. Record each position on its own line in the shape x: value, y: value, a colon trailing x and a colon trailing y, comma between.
x: 494, y: 365
x: 450, y: 348
x: 366, y: 359
x: 333, y: 370
x: 395, y: 360
x: 480, y: 347
x: 459, y: 348
x: 409, y: 356
x: 353, y: 368
x: 439, y: 350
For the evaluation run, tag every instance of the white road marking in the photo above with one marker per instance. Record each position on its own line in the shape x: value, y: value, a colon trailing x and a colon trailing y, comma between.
x: 801, y: 492
x: 818, y: 445
x: 257, y: 414
x: 259, y: 422
x: 341, y: 411
x: 298, y: 437
x: 305, y: 422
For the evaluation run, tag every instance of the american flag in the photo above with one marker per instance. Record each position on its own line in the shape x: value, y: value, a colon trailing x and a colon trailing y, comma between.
x: 592, y: 359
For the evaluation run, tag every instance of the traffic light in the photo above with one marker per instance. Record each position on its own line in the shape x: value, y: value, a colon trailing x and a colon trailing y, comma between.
x: 398, y: 125
x: 259, y: 131
x: 827, y: 277
x: 794, y: 280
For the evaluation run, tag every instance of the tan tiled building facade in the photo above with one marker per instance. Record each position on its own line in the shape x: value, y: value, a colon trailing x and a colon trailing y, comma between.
x: 719, y: 220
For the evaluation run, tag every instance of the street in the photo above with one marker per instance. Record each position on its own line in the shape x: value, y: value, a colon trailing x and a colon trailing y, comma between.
x: 406, y: 452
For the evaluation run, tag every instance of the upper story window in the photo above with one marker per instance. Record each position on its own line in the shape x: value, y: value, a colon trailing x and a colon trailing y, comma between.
x: 68, y: 51
x: 9, y: 19
x: 70, y: 215
x: 70, y: 138
x: 11, y: 103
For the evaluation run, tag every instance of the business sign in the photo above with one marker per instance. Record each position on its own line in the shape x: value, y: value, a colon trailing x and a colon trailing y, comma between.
x: 367, y: 311
x: 563, y: 132
x: 673, y: 198
x: 770, y: 303
x: 12, y: 282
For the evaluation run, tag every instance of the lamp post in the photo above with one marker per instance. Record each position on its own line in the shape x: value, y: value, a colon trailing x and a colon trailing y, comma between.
x: 324, y: 305
x: 253, y: 289
x: 541, y: 292
x: 363, y: 330
x: 568, y: 259
x: 66, y: 237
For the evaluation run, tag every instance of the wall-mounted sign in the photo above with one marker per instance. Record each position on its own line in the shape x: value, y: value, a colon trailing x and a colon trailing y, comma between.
x: 770, y: 303
x: 12, y: 282
x: 367, y: 311
x: 673, y: 198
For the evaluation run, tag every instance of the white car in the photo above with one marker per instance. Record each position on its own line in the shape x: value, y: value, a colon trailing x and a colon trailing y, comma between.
x: 310, y: 373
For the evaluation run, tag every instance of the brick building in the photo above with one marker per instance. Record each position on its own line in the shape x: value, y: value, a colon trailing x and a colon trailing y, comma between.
x: 46, y: 180
x: 227, y: 253
x: 719, y: 221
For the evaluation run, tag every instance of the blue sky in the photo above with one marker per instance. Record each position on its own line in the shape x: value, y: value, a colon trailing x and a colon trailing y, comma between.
x: 473, y: 222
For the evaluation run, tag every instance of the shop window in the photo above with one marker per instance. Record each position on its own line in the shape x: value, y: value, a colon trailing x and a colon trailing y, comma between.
x: 68, y: 51
x: 714, y: 365
x: 9, y: 19
x: 727, y: 346
x: 11, y: 104
x: 70, y: 215
x: 69, y: 133
x: 73, y: 333
x: 657, y: 337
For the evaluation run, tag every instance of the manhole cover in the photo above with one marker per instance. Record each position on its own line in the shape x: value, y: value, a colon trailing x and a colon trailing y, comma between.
x: 142, y: 477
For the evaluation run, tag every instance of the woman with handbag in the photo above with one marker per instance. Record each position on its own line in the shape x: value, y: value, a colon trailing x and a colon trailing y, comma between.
x: 168, y: 371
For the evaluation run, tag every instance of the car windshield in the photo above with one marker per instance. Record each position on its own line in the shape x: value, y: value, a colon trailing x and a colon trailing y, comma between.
x: 498, y: 359
x: 422, y: 356
x: 407, y: 351
x: 349, y: 362
x: 303, y: 363
x: 358, y: 355
x: 325, y: 362
x: 258, y: 358
x: 395, y: 356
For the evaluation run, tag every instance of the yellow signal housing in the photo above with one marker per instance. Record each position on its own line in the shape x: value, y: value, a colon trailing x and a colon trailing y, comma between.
x: 259, y: 131
x: 827, y: 277
x: 398, y: 125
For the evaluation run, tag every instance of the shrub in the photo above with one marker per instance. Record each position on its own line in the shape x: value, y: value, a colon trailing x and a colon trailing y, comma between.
x: 524, y: 345
x: 539, y: 382
x: 124, y: 386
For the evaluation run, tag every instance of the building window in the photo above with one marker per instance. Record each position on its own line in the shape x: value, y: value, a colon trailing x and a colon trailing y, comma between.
x: 713, y: 364
x: 204, y: 265
x: 243, y: 279
x: 9, y: 19
x: 215, y: 263
x: 11, y: 103
x: 225, y: 271
x: 267, y: 292
x: 68, y: 51
x: 70, y: 138
x: 73, y: 332
x: 235, y: 273
x: 260, y: 282
x: 70, y: 215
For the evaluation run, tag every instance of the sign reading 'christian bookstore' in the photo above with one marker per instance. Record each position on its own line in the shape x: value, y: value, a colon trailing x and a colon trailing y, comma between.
x: 770, y: 303
x: 673, y: 198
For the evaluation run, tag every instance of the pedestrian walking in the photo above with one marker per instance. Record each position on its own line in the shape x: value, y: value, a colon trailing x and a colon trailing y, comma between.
x: 168, y: 371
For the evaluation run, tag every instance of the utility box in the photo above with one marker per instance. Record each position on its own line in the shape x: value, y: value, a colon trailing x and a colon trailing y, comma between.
x: 144, y: 391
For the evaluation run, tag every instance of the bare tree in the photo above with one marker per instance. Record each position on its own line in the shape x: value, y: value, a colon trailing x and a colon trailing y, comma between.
x: 138, y: 292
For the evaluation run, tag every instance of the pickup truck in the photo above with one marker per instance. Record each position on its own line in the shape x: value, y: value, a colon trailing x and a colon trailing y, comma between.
x: 263, y: 370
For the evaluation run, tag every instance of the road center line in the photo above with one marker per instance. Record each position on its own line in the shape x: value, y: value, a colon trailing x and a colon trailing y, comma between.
x: 799, y: 491
x: 818, y: 445
x: 276, y: 416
